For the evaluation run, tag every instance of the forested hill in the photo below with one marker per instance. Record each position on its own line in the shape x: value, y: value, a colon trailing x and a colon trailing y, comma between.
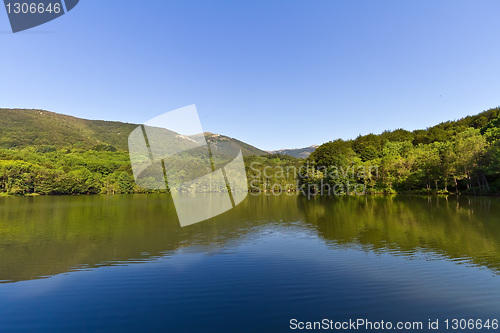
x: 370, y: 146
x: 42, y: 129
x: 21, y: 128
x: 462, y: 155
x: 47, y: 153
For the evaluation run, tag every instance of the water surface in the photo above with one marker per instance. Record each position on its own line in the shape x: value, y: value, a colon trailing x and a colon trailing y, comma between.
x: 123, y: 263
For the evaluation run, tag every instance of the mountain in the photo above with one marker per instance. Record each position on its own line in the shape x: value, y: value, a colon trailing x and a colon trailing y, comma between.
x: 222, y: 141
x: 297, y: 152
x: 20, y: 128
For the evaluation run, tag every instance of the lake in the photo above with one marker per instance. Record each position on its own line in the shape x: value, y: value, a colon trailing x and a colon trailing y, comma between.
x: 272, y: 264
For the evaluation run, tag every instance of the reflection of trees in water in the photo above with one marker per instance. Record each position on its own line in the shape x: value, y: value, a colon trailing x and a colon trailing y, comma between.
x: 464, y: 228
x: 51, y: 235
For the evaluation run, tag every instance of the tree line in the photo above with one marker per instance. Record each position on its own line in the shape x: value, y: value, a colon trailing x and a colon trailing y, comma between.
x: 103, y: 169
x: 454, y: 157
x: 460, y: 156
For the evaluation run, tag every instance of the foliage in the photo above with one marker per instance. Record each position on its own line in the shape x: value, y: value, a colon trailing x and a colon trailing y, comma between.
x: 21, y: 128
x: 272, y: 173
x: 456, y: 156
x: 28, y: 171
x: 55, y: 154
x: 77, y: 171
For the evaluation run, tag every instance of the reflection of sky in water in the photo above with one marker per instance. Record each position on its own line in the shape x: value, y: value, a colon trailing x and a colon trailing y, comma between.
x: 278, y: 272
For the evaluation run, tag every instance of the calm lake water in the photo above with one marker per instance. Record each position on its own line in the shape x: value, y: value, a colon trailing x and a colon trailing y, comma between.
x: 123, y: 263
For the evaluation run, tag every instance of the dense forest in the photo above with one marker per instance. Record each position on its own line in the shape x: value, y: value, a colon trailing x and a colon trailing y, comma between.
x: 67, y: 155
x: 42, y: 152
x: 101, y: 170
x: 460, y: 156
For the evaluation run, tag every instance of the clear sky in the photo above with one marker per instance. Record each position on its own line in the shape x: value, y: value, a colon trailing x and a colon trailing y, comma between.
x: 275, y: 74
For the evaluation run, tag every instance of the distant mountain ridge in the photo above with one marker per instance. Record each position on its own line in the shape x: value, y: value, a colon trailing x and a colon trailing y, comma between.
x: 297, y: 152
x: 21, y: 128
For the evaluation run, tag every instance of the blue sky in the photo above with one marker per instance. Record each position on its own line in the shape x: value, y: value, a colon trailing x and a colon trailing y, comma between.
x: 275, y: 74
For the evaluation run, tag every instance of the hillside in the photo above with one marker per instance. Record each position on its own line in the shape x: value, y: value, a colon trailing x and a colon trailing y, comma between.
x: 43, y: 152
x: 21, y: 128
x: 297, y: 152
x: 460, y: 155
x: 222, y: 141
